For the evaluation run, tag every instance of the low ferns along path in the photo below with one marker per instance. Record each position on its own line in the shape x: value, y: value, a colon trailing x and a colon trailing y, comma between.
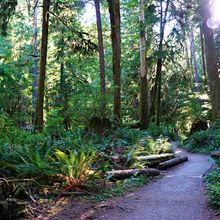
x: 179, y: 195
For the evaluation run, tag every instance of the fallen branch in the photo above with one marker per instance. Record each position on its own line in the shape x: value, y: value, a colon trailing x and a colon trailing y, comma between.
x: 22, y: 180
x: 69, y: 193
x: 172, y: 162
x: 123, y: 174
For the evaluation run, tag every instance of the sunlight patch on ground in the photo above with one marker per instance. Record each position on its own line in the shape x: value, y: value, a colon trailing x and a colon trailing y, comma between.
x: 171, y: 176
x: 178, y: 151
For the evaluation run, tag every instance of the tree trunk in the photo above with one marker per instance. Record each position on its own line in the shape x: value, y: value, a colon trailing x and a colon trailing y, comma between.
x: 143, y: 72
x: 188, y: 64
x: 211, y: 61
x: 163, y: 21
x: 203, y: 54
x: 100, y: 47
x: 62, y: 72
x: 114, y: 11
x: 63, y: 92
x: 42, y: 73
x: 64, y: 95
x: 35, y: 61
x: 194, y: 61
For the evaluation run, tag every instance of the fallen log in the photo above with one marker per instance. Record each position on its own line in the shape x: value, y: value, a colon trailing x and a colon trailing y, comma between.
x: 172, y: 162
x: 123, y: 174
x: 155, y: 163
x: 155, y: 157
x: 215, y: 154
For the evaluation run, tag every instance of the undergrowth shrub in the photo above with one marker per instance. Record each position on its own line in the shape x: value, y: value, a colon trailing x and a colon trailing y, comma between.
x: 6, y: 124
x: 74, y: 164
x: 192, y: 107
x: 34, y: 162
x: 155, y: 145
x: 213, y: 185
x: 75, y: 154
x: 127, y: 136
x: 164, y: 130
x: 54, y: 126
x: 204, y: 141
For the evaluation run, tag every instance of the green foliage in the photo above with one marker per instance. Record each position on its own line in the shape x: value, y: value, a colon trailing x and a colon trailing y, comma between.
x: 55, y: 124
x: 40, y: 160
x: 6, y: 125
x: 167, y: 131
x: 194, y: 107
x: 75, y: 164
x: 6, y: 11
x: 126, y: 136
x: 204, y: 141
x: 213, y: 183
x: 33, y: 162
x: 152, y: 145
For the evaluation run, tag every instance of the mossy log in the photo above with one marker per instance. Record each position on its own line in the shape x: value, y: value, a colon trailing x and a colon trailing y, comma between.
x: 123, y: 174
x: 172, y: 162
x: 148, y: 158
x: 166, y: 156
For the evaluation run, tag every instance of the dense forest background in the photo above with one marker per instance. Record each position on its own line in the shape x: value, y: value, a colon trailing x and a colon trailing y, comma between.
x: 83, y: 81
x: 168, y: 84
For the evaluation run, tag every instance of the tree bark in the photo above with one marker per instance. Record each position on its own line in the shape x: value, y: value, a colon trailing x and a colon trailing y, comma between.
x: 35, y: 61
x: 42, y: 73
x: 143, y: 72
x: 114, y: 11
x: 100, y: 47
x: 211, y: 61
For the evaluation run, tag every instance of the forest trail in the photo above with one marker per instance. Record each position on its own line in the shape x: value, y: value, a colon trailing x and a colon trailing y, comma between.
x: 179, y: 195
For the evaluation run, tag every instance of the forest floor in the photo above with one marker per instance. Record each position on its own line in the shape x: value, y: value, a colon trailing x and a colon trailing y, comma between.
x: 178, y: 195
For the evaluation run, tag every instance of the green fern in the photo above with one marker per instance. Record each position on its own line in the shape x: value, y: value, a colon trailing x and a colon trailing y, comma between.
x: 75, y: 164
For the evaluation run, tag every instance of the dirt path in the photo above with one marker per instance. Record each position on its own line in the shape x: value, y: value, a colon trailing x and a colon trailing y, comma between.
x: 179, y: 195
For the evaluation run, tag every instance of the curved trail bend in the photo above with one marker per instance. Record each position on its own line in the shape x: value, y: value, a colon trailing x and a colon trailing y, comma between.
x: 179, y: 195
